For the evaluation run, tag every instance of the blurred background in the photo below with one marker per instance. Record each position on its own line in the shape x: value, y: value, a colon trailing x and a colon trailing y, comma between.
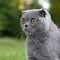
x: 10, y: 30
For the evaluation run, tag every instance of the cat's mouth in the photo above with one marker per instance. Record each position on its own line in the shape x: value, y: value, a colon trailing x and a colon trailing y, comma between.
x: 27, y: 30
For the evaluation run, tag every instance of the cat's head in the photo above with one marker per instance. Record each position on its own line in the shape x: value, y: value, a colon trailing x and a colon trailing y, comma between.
x: 34, y: 20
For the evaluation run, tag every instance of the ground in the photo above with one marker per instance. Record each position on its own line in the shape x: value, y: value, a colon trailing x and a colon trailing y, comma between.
x: 12, y: 49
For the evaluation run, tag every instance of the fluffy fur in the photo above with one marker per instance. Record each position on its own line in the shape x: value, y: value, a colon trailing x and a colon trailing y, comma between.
x: 43, y: 38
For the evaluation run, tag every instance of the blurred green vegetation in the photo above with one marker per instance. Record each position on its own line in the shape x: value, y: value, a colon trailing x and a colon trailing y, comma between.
x: 9, y: 17
x: 12, y: 49
x: 10, y: 13
x: 55, y: 11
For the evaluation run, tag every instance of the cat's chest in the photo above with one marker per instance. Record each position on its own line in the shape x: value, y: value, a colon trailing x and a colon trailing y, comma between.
x: 47, y: 47
x: 36, y: 44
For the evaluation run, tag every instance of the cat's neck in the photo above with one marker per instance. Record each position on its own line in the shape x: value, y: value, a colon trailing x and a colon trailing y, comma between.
x: 39, y: 36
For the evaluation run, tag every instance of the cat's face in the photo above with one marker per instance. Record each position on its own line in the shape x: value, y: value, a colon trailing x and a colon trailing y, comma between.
x: 34, y: 20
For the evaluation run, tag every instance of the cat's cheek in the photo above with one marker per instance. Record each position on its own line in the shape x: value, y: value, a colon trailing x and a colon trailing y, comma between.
x: 23, y: 29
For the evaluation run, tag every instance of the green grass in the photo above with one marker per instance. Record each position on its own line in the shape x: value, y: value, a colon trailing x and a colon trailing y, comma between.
x: 12, y: 49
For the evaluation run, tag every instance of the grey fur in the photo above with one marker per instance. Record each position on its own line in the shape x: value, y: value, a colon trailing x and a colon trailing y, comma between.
x: 43, y: 38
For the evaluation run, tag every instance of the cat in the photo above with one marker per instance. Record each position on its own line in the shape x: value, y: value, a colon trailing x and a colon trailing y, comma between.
x: 42, y: 35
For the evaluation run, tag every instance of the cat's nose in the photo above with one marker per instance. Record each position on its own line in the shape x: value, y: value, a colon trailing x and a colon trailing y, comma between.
x: 26, y: 25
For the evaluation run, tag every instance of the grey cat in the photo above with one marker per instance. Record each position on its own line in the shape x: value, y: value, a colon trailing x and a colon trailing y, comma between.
x: 43, y: 36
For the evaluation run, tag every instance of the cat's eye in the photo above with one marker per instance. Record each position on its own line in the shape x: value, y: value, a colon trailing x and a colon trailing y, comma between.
x: 33, y: 21
x: 23, y: 21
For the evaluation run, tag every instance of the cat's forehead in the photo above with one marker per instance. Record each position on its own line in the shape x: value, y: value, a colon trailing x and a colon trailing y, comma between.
x: 30, y: 13
x: 32, y: 10
x: 35, y: 13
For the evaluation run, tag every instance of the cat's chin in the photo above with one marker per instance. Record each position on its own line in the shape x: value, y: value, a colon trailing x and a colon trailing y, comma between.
x: 28, y: 33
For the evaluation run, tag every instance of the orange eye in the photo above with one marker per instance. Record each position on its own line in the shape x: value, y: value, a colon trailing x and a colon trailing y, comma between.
x: 33, y: 21
x: 23, y: 21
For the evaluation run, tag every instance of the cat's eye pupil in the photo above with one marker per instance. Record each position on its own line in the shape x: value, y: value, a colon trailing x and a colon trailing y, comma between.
x: 23, y: 21
x: 33, y: 21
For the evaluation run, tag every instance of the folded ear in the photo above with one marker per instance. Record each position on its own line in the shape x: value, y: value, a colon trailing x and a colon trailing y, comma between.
x: 42, y: 13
